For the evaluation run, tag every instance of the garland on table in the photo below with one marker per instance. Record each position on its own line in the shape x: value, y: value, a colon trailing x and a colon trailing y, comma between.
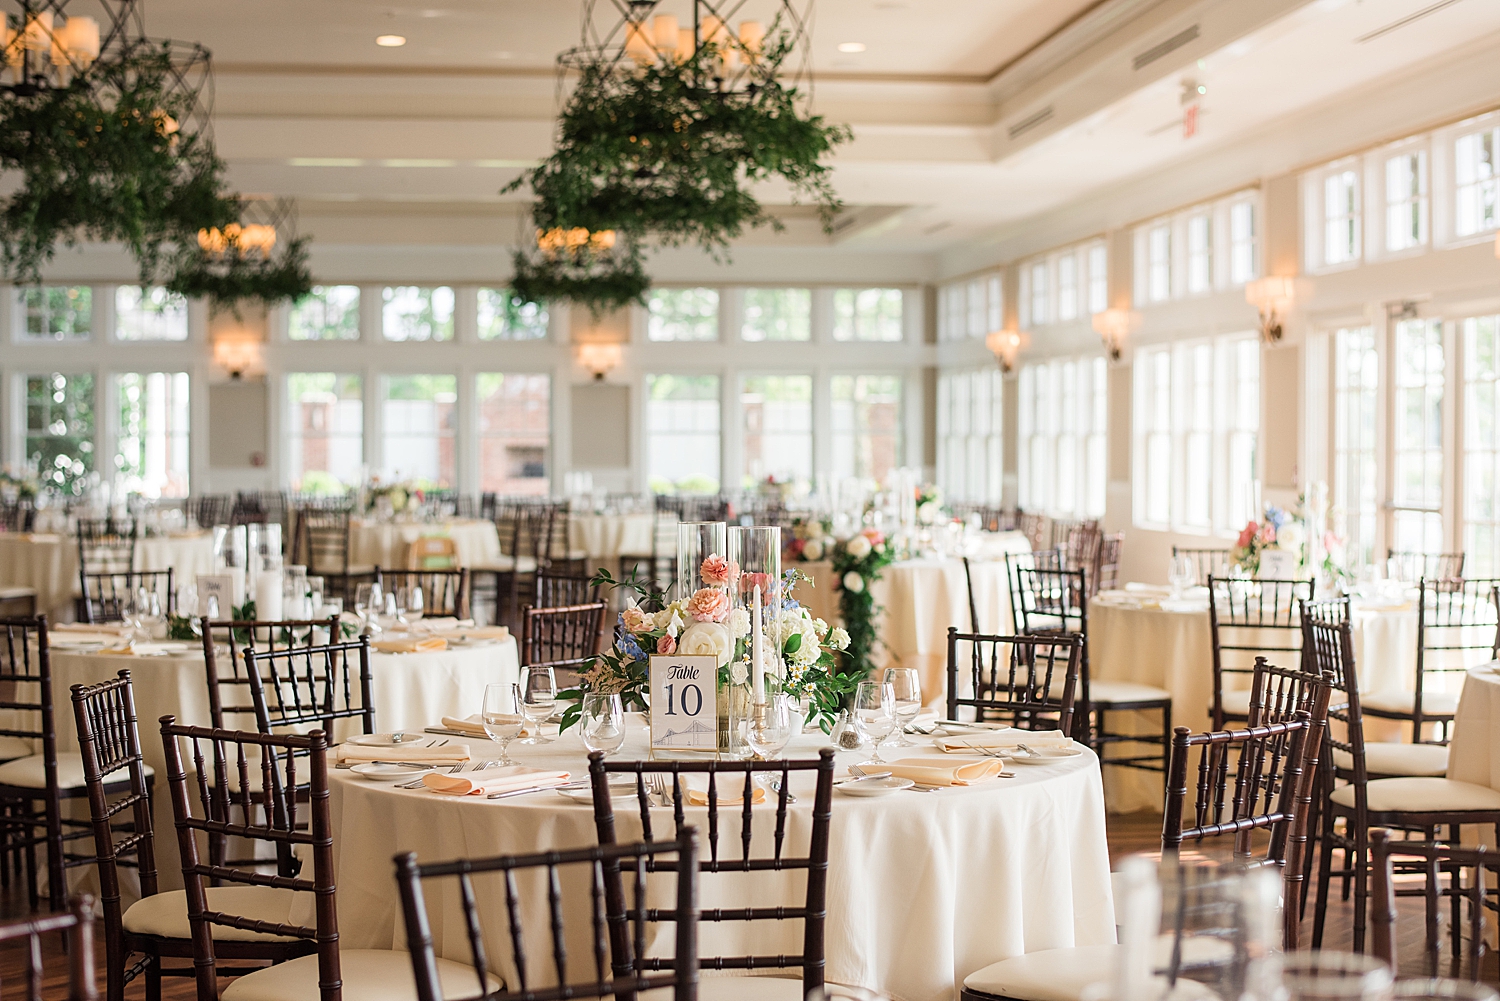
x: 858, y: 562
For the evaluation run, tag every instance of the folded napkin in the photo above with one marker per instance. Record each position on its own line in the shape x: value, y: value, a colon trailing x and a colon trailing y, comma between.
x: 128, y: 650
x: 90, y: 629
x: 509, y: 778
x: 730, y: 791
x: 1134, y: 587
x: 448, y: 754
x: 439, y: 624
x: 944, y: 771
x: 45, y: 537
x: 474, y: 726
x: 412, y: 644
x: 1003, y: 738
x: 485, y: 632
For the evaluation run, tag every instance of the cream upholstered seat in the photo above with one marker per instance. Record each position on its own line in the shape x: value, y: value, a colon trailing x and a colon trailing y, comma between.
x: 1062, y: 974
x: 1125, y: 691
x: 164, y: 915
x: 1421, y: 795
x: 711, y: 988
x: 368, y: 975
x: 1236, y: 703
x: 15, y: 747
x: 1395, y: 701
x: 505, y: 564
x: 31, y: 772
x: 1411, y: 760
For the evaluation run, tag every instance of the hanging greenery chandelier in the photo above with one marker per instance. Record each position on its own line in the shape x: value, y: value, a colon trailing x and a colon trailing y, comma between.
x: 670, y: 125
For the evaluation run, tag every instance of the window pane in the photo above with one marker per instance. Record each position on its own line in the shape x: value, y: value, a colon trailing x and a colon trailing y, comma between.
x: 777, y: 314
x: 1098, y: 278
x: 1159, y: 267
x: 412, y: 313
x: 1481, y: 445
x: 153, y: 314
x: 1405, y: 201
x: 682, y: 433
x: 1341, y: 217
x: 866, y: 425
x: 57, y: 312
x: 328, y: 313
x: 326, y: 449
x: 1242, y: 252
x: 995, y: 303
x: 420, y: 413
x: 778, y: 428
x: 60, y: 429
x: 867, y: 314
x: 1418, y: 405
x: 1200, y: 253
x: 1356, y: 383
x: 1067, y: 286
x: 1041, y: 299
x: 515, y: 433
x: 502, y: 318
x: 152, y: 448
x: 683, y: 314
x: 1475, y: 171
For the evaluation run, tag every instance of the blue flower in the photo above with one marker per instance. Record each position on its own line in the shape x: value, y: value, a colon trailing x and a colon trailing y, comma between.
x: 626, y: 642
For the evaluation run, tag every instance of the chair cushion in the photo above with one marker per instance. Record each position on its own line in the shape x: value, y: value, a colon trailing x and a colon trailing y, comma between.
x: 1126, y: 691
x: 1062, y: 975
x: 1433, y: 703
x: 1421, y: 795
x: 1425, y: 760
x: 368, y: 975
x: 31, y: 772
x: 15, y: 747
x: 1236, y: 703
x: 165, y: 914
x: 334, y: 570
x: 505, y: 564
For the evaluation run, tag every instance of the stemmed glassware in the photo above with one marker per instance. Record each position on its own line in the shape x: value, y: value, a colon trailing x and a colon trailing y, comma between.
x: 602, y: 723
x: 769, y: 726
x: 875, y: 714
x: 502, y: 718
x: 907, y: 686
x: 368, y: 602
x: 409, y: 599
x: 538, y: 699
x: 1181, y: 575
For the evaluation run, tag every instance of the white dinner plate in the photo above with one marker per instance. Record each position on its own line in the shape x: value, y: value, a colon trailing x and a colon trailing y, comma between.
x: 1043, y: 755
x: 585, y: 794
x: 466, y: 644
x: 875, y: 787
x: 380, y: 771
x: 411, y: 739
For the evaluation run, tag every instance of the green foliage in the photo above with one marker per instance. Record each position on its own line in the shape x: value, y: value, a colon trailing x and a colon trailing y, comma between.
x: 60, y: 429
x: 602, y: 282
x: 232, y: 278
x: 183, y: 627
x: 858, y: 608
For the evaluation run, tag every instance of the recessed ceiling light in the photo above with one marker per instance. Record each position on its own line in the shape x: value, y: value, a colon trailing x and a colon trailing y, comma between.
x: 851, y: 46
x: 390, y: 41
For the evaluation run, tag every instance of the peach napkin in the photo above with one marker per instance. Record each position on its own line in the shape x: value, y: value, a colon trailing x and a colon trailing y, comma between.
x: 90, y: 628
x: 958, y: 743
x: 509, y: 778
x: 943, y: 771
x: 430, y: 644
x: 448, y: 754
x: 485, y: 633
x: 472, y: 726
x: 729, y: 789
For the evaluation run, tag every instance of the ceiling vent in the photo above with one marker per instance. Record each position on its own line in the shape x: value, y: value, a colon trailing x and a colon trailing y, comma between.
x: 1030, y: 122
x: 1172, y: 44
x: 1404, y: 21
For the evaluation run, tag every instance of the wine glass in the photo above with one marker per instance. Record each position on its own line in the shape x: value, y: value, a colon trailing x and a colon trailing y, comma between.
x: 501, y: 720
x: 410, y: 599
x: 603, y: 723
x: 368, y: 601
x: 538, y: 699
x: 769, y: 726
x: 1181, y: 575
x: 907, y: 685
x: 875, y: 714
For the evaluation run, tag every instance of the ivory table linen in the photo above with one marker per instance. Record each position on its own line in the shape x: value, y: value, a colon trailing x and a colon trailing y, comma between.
x: 49, y: 563
x: 384, y: 543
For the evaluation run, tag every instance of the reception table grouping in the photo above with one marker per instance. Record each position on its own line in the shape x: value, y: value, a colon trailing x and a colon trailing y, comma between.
x: 48, y: 563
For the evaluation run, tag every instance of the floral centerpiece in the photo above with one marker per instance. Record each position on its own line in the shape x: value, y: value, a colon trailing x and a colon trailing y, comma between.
x: 1278, y: 528
x: 930, y: 507
x: 400, y: 495
x: 857, y: 563
x: 22, y: 486
x: 809, y: 650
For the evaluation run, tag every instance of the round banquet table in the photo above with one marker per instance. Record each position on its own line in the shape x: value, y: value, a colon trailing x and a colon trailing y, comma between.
x: 384, y: 543
x: 411, y: 691
x: 1474, y: 751
x: 923, y: 889
x: 49, y: 563
x: 607, y: 536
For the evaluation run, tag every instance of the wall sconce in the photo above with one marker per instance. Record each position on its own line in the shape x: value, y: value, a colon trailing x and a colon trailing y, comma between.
x: 1006, y: 345
x: 1272, y: 297
x: 237, y: 355
x: 600, y: 357
x: 1114, y: 327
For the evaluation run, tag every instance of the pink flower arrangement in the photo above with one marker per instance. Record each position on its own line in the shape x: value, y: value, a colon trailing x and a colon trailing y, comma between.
x: 749, y: 581
x: 709, y: 605
x: 875, y: 536
x: 634, y: 620
x: 1247, y: 534
x: 717, y: 571
x: 666, y: 645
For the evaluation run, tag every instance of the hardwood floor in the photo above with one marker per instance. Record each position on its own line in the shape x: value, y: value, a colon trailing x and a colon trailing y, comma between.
x: 1128, y: 834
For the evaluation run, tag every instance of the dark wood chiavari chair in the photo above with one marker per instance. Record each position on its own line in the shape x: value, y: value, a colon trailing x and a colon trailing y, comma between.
x: 521, y: 524
x: 564, y: 639
x: 260, y: 507
x: 265, y: 764
x: 619, y: 928
x: 1029, y: 682
x: 323, y: 543
x: 444, y: 592
x: 738, y: 787
x: 77, y: 923
x: 108, y: 596
x: 17, y: 602
x: 659, y: 566
x: 1110, y: 549
x: 1247, y: 618
x: 557, y: 552
x: 1036, y: 527
x: 555, y: 590
x: 17, y: 515
x: 1447, y: 858
x: 209, y: 510
x: 1429, y: 566
x: 1207, y: 563
x: 316, y: 685
x: 1082, y: 548
x: 106, y: 545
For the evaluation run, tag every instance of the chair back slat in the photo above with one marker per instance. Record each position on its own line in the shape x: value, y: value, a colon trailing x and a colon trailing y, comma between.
x: 106, y: 545
x: 1030, y: 682
x: 108, y: 596
x: 1207, y: 563
x: 224, y: 644
x: 1409, y: 565
x: 557, y: 590
x: 315, y: 685
x: 1249, y: 618
x: 567, y: 637
x: 1456, y: 629
x: 444, y: 592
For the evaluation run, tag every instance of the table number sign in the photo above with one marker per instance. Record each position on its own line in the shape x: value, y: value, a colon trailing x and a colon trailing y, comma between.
x: 1277, y: 564
x: 684, y: 703
x: 216, y: 595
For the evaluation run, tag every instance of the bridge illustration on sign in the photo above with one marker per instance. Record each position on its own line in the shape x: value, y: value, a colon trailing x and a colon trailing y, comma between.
x: 695, y: 735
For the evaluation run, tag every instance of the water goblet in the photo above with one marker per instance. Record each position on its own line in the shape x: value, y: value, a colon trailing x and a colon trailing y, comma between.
x: 602, y: 723
x: 502, y: 721
x: 410, y: 599
x: 538, y: 699
x: 769, y: 726
x: 1181, y: 575
x: 907, y: 685
x: 875, y: 714
x: 368, y: 601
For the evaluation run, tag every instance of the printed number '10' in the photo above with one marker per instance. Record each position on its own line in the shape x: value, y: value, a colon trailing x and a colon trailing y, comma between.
x: 689, y: 693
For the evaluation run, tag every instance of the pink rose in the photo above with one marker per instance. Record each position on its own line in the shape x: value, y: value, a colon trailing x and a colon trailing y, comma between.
x: 709, y: 605
x: 717, y: 571
x: 749, y: 581
x: 666, y: 645
x: 875, y: 536
x: 1247, y: 535
x: 634, y: 620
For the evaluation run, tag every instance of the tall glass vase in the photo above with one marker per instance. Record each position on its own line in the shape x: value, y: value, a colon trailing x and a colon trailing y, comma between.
x: 756, y: 551
x: 696, y: 542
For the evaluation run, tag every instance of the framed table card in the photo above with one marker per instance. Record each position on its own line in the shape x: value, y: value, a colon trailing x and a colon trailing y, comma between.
x: 684, y: 703
x: 1277, y: 564
x: 216, y: 590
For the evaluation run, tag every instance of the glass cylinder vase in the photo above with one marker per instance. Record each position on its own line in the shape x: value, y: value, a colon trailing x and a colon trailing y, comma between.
x: 756, y: 601
x: 696, y: 542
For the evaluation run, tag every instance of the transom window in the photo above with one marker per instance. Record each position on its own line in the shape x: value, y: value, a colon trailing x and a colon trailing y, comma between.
x: 417, y: 313
x: 868, y: 314
x: 327, y: 313
x: 1406, y: 201
x: 683, y: 314
x: 502, y: 318
x: 777, y: 314
x: 150, y: 314
x: 57, y: 312
x: 1474, y: 158
x: 1341, y: 217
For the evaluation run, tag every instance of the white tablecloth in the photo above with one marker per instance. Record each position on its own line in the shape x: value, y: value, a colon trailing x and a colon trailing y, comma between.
x: 384, y: 544
x: 49, y: 563
x: 923, y: 889
x: 1474, y: 752
x: 606, y: 536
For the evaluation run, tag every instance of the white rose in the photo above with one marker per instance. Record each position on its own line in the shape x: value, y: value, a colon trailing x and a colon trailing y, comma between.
x: 738, y: 673
x: 1290, y: 536
x: 928, y: 513
x: 858, y: 547
x: 853, y: 582
x: 809, y: 650
x: 813, y: 550
x: 839, y: 638
x: 739, y: 623
x: 705, y: 639
x: 821, y: 626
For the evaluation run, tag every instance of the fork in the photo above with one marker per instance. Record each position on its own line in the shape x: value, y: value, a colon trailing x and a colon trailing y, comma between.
x: 452, y: 771
x: 656, y: 785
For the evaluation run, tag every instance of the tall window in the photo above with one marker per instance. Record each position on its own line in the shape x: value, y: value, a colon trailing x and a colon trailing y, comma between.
x: 1356, y: 486
x: 777, y: 314
x: 777, y: 411
x: 1481, y: 445
x: 1406, y: 201
x: 326, y: 445
x: 1159, y: 263
x: 414, y: 313
x: 1197, y: 365
x: 1475, y: 173
x: 57, y: 312
x: 1041, y: 294
x: 1067, y: 286
x: 60, y: 429
x: 866, y: 425
x: 683, y: 314
x: 420, y: 416
x: 1240, y: 403
x: 1061, y: 434
x: 1200, y: 252
x: 1242, y: 247
x: 328, y: 313
x: 1098, y: 278
x: 515, y: 431
x: 682, y: 433
x: 1341, y: 217
x: 1036, y: 435
x: 995, y: 305
x: 502, y: 318
x: 867, y: 314
x: 1417, y: 453
x: 1153, y: 436
x: 969, y: 435
x: 151, y: 314
x: 152, y: 443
